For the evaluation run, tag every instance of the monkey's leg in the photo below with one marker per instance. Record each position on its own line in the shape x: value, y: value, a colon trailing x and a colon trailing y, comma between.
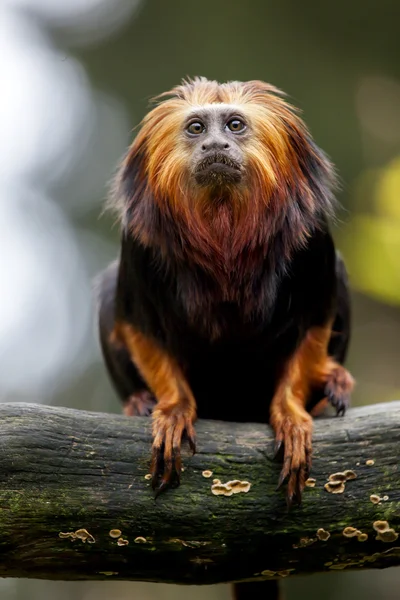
x: 175, y: 411
x: 335, y: 384
x: 288, y: 415
x: 338, y: 383
x: 127, y: 381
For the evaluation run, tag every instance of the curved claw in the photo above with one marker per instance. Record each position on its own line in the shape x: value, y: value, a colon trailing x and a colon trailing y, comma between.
x: 140, y: 404
x: 297, y: 448
x: 278, y: 450
x: 338, y: 389
x: 168, y: 432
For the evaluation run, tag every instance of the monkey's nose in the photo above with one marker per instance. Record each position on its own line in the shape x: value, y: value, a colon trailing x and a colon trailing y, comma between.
x: 214, y: 145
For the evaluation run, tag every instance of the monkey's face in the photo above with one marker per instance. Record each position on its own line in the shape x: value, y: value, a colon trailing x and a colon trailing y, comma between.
x: 237, y: 142
x: 215, y: 138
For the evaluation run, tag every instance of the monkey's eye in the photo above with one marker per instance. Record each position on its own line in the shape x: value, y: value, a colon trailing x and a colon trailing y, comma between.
x: 236, y: 125
x: 195, y: 128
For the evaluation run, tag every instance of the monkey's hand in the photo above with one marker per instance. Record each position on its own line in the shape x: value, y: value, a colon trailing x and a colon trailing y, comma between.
x: 293, y: 433
x: 170, y: 426
x: 338, y: 388
x: 140, y: 404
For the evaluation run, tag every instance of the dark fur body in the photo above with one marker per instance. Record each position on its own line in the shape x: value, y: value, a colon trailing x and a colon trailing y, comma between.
x: 245, y: 362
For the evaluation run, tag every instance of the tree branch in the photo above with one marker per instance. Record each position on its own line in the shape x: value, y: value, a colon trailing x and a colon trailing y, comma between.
x: 72, y: 472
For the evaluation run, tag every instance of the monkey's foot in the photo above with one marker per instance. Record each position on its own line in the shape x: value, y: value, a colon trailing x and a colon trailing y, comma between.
x: 338, y: 389
x: 140, y: 404
x: 168, y: 431
x: 295, y: 438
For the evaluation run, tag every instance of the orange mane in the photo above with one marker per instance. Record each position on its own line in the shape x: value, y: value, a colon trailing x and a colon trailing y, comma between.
x: 286, y: 195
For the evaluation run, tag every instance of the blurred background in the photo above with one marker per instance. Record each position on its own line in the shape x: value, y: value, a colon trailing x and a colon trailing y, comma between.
x: 76, y: 78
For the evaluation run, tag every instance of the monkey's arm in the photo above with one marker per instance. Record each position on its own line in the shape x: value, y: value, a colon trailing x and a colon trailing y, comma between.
x: 175, y: 411
x: 128, y: 382
x: 146, y: 376
x: 314, y: 370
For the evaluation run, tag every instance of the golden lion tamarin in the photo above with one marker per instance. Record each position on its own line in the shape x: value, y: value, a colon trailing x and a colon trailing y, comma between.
x: 228, y: 300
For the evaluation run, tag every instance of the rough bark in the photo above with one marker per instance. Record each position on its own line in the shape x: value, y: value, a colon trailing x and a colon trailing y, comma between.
x: 64, y: 470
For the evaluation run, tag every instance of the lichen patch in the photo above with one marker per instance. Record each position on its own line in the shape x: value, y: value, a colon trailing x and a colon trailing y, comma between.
x: 79, y: 534
x: 115, y: 533
x: 349, y: 474
x: 337, y: 481
x: 310, y: 482
x: 84, y: 536
x: 387, y: 536
x: 350, y: 532
x: 323, y: 535
x: 207, y: 474
x: 375, y: 499
x: 122, y: 542
x: 335, y: 487
x: 337, y: 477
x: 380, y: 526
x: 385, y: 533
x: 67, y: 534
x: 230, y: 487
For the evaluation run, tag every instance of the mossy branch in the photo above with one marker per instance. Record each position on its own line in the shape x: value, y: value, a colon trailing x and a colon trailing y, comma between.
x: 69, y: 478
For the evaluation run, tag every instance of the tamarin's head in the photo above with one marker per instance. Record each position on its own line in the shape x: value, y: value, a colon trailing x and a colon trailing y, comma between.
x: 236, y: 145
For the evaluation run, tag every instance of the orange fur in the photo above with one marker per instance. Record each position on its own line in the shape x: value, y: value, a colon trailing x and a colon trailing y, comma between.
x: 175, y: 411
x: 275, y: 155
x: 309, y: 367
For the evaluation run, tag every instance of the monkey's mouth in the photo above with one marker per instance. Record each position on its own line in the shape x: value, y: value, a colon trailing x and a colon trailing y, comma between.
x: 218, y: 169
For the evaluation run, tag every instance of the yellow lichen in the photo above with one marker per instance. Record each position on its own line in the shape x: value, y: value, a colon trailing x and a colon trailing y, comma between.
x: 122, y: 542
x: 375, y: 499
x: 231, y: 487
x: 349, y: 474
x: 335, y: 487
x: 323, y: 535
x: 114, y: 533
x: 387, y: 536
x: 207, y: 474
x: 337, y: 477
x: 85, y: 536
x: 385, y: 533
x: 380, y: 526
x: 350, y: 532
x: 79, y: 534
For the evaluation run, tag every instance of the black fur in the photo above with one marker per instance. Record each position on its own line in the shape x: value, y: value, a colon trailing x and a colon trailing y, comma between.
x: 243, y: 365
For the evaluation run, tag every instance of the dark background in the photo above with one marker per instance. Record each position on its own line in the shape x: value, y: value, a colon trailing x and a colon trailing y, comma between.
x: 76, y: 79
